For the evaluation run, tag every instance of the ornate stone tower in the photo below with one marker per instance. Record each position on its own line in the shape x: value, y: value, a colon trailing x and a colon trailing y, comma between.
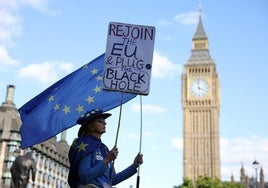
x: 51, y: 157
x: 201, y: 110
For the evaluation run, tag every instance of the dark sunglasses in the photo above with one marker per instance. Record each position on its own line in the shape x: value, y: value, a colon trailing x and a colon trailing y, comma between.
x: 100, y: 120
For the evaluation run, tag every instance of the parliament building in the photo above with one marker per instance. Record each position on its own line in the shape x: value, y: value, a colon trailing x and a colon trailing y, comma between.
x: 51, y: 156
x: 201, y: 111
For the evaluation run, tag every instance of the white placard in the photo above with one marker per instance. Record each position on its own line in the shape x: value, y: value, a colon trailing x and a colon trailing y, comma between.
x: 128, y: 58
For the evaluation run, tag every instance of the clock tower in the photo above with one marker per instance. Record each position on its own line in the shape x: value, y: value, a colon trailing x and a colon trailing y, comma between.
x: 201, y: 111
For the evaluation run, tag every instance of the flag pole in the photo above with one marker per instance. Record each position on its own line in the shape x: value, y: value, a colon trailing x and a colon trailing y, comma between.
x: 119, y: 120
x: 138, y: 176
x: 117, y: 133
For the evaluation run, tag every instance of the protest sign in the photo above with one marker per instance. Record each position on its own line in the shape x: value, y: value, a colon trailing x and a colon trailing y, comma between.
x: 128, y: 58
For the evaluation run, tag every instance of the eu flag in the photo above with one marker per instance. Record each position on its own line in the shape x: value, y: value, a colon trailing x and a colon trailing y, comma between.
x: 58, y: 107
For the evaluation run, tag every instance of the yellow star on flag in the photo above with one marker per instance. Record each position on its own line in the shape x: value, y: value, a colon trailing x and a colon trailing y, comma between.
x: 80, y: 109
x: 94, y: 71
x: 56, y: 107
x: 85, y: 66
x: 99, y: 78
x: 97, y: 89
x: 51, y: 98
x: 66, y: 109
x: 90, y: 99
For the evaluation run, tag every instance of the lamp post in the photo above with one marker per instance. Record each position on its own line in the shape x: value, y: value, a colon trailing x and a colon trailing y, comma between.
x: 256, y: 166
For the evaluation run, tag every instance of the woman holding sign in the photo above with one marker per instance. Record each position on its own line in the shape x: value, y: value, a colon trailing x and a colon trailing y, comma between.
x: 90, y: 160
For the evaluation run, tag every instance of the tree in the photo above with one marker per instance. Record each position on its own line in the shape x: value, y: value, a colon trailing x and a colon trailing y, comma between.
x: 231, y: 185
x: 207, y: 182
x: 187, y: 183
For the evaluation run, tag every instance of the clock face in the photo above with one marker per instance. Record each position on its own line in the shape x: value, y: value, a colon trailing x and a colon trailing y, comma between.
x: 199, y: 88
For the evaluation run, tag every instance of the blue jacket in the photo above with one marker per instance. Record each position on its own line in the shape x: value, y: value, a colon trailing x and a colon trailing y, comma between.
x: 86, y: 164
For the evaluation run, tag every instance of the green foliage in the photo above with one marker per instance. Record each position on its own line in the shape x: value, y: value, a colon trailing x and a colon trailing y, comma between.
x: 207, y: 182
x: 231, y: 185
x: 187, y: 183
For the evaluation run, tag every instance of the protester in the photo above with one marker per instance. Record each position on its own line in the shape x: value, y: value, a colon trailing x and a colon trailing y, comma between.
x: 91, y: 162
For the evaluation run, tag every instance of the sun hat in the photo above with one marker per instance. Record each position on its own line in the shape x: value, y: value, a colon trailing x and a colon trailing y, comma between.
x: 92, y: 114
x: 87, y: 118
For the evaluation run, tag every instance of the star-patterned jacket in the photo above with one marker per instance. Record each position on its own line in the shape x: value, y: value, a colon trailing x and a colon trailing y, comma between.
x: 87, y: 166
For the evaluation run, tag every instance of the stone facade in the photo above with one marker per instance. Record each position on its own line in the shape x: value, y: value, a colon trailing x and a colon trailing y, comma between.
x: 52, y: 165
x: 250, y: 182
x: 201, y: 111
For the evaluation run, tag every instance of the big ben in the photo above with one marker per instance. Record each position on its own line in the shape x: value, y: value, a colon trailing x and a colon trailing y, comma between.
x: 201, y: 111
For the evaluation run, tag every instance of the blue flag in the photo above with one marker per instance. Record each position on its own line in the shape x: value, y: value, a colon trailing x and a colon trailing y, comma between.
x: 58, y: 107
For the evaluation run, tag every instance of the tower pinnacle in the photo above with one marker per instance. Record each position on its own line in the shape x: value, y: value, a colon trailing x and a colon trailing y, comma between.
x: 200, y: 8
